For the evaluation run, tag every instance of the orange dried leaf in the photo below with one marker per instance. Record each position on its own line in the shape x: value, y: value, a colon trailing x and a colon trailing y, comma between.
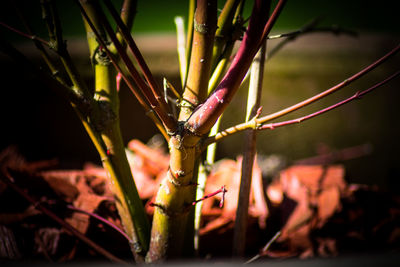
x: 328, y: 204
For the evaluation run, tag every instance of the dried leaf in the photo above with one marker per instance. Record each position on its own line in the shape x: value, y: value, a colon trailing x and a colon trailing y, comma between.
x: 328, y: 204
x: 62, y: 183
x: 87, y: 201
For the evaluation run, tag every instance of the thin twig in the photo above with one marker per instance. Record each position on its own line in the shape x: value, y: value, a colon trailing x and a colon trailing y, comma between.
x: 98, y: 217
x: 152, y: 95
x: 271, y: 126
x: 26, y: 35
x: 221, y: 190
x: 306, y: 29
x: 357, y: 95
x: 139, y: 58
x: 41, y: 47
x: 114, y: 61
x: 259, y: 121
x: 271, y: 21
x: 265, y: 248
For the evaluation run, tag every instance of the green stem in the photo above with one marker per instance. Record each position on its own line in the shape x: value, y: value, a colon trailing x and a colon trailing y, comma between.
x: 205, y: 24
x: 189, y: 35
x: 174, y: 199
x: 113, y: 156
x: 224, y: 33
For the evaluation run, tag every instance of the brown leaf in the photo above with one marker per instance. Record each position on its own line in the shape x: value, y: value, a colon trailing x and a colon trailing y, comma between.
x: 87, y: 201
x: 275, y: 192
x: 328, y: 204
x: 154, y: 160
x: 62, y: 183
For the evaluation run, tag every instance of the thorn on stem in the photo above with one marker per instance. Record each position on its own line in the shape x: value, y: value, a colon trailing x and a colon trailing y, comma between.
x: 118, y: 80
x: 221, y: 203
x: 259, y: 110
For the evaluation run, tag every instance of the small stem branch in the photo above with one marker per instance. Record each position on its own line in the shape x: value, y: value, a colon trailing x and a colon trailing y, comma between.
x: 97, y: 217
x: 51, y: 17
x: 357, y: 95
x: 29, y: 36
x: 265, y: 248
x: 141, y: 62
x: 127, y: 80
x: 154, y: 100
x: 27, y: 66
x: 308, y: 28
x: 271, y: 126
x: 274, y: 16
x: 332, y: 89
x: 258, y: 121
x: 221, y: 190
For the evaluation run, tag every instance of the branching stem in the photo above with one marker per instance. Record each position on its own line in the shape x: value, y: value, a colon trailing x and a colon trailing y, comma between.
x: 258, y: 125
x: 264, y: 119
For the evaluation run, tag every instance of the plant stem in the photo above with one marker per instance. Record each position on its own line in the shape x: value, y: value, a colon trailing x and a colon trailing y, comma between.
x: 114, y: 158
x: 205, y: 116
x: 357, y: 95
x: 205, y: 23
x: 256, y: 122
x: 189, y: 36
x: 173, y: 200
x: 101, y: 219
x: 164, y: 108
x: 180, y: 40
x: 224, y: 33
x: 253, y: 103
x: 26, y: 35
x: 92, y: 31
x: 128, y: 12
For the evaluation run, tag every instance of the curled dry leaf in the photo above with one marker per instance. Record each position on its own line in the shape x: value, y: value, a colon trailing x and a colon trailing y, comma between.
x: 87, y: 201
x: 228, y: 173
x: 316, y: 191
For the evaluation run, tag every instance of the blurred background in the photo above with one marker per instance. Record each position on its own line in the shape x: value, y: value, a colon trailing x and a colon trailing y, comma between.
x: 43, y: 125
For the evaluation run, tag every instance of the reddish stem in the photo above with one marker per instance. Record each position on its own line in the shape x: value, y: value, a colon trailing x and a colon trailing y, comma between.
x: 332, y: 89
x: 275, y: 14
x: 98, y: 217
x: 118, y: 81
x: 221, y: 190
x: 357, y: 95
x: 139, y: 58
x: 206, y: 115
x: 29, y: 36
